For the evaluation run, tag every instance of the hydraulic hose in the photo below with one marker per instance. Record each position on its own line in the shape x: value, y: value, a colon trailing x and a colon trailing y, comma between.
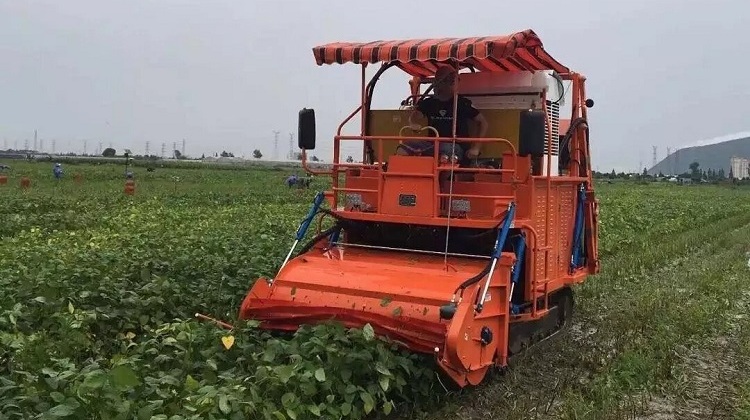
x: 311, y: 243
x: 569, y: 134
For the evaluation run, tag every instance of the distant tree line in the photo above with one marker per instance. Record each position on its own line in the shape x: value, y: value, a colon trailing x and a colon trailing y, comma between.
x: 696, y: 174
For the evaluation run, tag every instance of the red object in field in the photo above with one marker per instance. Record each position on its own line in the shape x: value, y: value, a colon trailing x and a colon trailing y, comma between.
x: 130, y: 187
x: 468, y: 261
x: 25, y: 183
x: 3, y: 179
x: 78, y: 178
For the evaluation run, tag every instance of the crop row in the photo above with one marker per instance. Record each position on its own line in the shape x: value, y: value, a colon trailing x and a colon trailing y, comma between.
x: 98, y: 292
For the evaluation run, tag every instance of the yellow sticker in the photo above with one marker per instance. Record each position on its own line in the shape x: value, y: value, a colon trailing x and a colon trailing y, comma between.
x: 228, y: 341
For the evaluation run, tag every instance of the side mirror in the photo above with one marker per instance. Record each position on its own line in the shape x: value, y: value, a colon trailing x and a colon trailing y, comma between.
x: 531, y: 133
x: 306, y: 129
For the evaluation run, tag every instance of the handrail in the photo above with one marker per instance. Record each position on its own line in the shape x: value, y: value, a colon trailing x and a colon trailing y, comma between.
x: 380, y: 139
x: 346, y: 120
x: 489, y: 197
x: 337, y: 167
x: 350, y: 189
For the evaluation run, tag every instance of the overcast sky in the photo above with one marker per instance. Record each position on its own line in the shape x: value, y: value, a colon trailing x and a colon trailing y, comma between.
x: 224, y: 75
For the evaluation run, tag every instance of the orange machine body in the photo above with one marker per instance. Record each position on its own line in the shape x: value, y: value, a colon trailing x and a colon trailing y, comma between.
x: 460, y: 284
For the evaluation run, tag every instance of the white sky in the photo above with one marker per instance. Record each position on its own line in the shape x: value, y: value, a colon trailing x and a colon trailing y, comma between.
x: 225, y: 74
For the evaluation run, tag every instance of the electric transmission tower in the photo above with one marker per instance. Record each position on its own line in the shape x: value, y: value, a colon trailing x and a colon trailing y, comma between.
x: 291, y: 146
x: 147, y: 147
x: 276, y: 145
x: 653, y: 164
x: 174, y: 149
x: 163, y: 150
x: 183, y: 147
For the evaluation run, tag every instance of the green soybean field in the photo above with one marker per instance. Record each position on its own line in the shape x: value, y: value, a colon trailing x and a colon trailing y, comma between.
x: 99, y: 292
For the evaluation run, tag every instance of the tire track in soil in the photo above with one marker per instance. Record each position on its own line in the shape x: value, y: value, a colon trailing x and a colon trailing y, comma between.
x: 714, y: 370
x: 539, y: 379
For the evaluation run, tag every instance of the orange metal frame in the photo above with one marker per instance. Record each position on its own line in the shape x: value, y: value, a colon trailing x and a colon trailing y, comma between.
x: 319, y: 283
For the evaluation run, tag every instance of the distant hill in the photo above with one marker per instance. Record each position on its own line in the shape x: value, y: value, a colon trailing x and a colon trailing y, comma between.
x: 713, y: 156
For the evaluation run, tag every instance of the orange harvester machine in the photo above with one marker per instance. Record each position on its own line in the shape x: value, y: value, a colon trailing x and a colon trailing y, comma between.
x: 472, y: 269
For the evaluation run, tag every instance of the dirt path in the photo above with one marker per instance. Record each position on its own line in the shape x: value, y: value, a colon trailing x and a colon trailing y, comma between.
x: 659, y: 334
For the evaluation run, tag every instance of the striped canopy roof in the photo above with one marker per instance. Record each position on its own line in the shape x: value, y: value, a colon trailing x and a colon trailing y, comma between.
x: 419, y: 57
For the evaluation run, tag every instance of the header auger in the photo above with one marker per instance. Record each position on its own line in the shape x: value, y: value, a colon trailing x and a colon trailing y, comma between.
x: 466, y: 256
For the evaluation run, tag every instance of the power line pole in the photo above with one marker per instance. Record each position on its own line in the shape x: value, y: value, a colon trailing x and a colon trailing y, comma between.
x: 35, y: 144
x: 654, y: 158
x: 183, y: 147
x: 291, y: 146
x: 174, y: 149
x: 163, y: 150
x: 147, y: 145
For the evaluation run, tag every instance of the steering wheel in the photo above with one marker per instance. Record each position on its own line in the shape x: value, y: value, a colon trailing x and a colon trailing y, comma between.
x: 426, y: 127
x: 401, y: 131
x: 411, y: 99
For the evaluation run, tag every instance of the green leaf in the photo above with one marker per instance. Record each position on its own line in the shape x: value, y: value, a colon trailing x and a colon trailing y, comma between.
x: 224, y: 404
x: 368, y: 332
x: 124, y: 376
x: 387, y: 407
x: 269, y: 354
x: 320, y: 375
x: 95, y: 379
x: 191, y: 384
x: 57, y: 397
x: 284, y: 372
x: 382, y: 369
x: 314, y: 409
x: 346, y: 408
x: 369, y: 402
x: 291, y: 413
x: 384, y: 383
x: 287, y: 400
x: 62, y: 410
